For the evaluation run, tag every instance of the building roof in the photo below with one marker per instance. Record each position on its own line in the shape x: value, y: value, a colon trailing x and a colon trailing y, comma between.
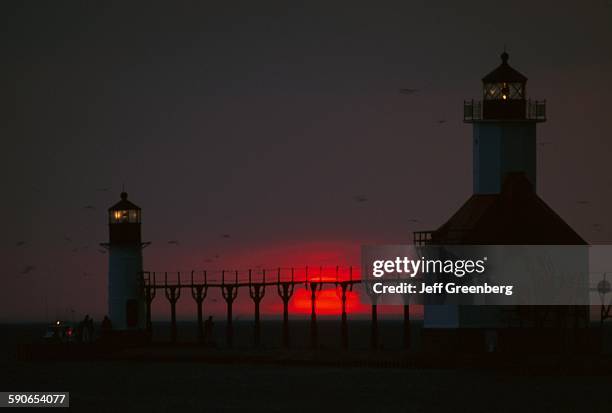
x: 123, y: 204
x: 504, y: 73
x: 516, y: 216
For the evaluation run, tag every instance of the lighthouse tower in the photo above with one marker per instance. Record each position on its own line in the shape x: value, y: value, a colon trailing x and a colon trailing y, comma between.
x: 126, y: 306
x: 504, y: 134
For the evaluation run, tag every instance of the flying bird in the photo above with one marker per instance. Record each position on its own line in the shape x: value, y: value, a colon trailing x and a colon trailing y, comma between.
x: 413, y: 220
x: 67, y: 239
x: 408, y: 91
x: 225, y: 236
x: 27, y: 269
x: 20, y: 243
x: 441, y: 121
x: 582, y: 202
x: 81, y: 248
x: 360, y: 198
x: 173, y: 242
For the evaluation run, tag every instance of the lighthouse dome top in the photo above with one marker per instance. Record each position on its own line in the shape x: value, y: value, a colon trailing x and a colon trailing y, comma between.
x: 124, y: 204
x: 504, y: 73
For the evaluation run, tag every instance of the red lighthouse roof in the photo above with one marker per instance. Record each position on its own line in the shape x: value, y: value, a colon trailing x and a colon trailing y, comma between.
x: 504, y: 73
x: 516, y: 216
x: 124, y: 204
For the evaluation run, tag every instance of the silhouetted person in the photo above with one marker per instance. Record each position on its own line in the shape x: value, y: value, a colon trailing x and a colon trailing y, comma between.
x: 106, y: 326
x: 84, y: 327
x: 57, y: 331
x: 89, y: 326
x: 80, y: 331
x: 208, y: 330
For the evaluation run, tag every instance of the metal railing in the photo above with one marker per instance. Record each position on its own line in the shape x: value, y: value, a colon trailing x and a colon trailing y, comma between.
x: 534, y: 110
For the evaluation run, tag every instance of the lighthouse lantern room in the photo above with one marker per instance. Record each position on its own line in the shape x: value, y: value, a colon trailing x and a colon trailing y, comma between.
x: 504, y: 133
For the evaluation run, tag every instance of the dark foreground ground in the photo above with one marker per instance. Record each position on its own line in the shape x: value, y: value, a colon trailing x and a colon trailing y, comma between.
x: 210, y: 387
x: 148, y: 387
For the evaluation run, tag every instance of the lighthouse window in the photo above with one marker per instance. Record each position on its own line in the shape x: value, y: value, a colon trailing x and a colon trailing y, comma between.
x: 134, y: 216
x: 125, y: 216
x: 516, y: 91
x: 492, y: 91
x: 504, y: 91
x: 120, y: 216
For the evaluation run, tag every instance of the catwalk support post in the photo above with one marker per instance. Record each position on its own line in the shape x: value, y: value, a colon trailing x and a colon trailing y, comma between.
x: 341, y: 289
x: 198, y: 293
x: 229, y: 292
x: 285, y: 291
x: 374, y: 314
x: 149, y: 296
x: 315, y: 288
x: 173, y: 293
x: 406, y: 326
x: 257, y: 291
x: 374, y: 328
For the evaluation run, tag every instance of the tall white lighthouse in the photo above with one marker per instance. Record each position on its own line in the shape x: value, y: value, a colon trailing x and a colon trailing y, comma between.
x: 504, y: 208
x: 126, y: 304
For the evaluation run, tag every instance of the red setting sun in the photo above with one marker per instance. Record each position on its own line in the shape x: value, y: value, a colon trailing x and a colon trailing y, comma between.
x: 327, y: 302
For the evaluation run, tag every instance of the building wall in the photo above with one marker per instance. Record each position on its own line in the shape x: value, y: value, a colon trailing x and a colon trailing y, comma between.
x: 500, y: 148
x: 125, y: 267
x: 548, y: 273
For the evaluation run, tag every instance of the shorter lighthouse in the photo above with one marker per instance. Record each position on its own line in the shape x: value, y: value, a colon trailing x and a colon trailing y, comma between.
x: 126, y: 304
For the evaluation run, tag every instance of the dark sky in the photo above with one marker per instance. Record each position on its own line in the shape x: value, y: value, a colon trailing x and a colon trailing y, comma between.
x: 263, y: 120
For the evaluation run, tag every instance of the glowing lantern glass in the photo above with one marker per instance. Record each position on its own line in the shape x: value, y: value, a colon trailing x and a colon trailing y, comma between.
x: 504, y: 91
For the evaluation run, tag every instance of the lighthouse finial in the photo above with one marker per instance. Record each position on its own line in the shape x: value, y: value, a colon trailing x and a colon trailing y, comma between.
x: 504, y: 55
